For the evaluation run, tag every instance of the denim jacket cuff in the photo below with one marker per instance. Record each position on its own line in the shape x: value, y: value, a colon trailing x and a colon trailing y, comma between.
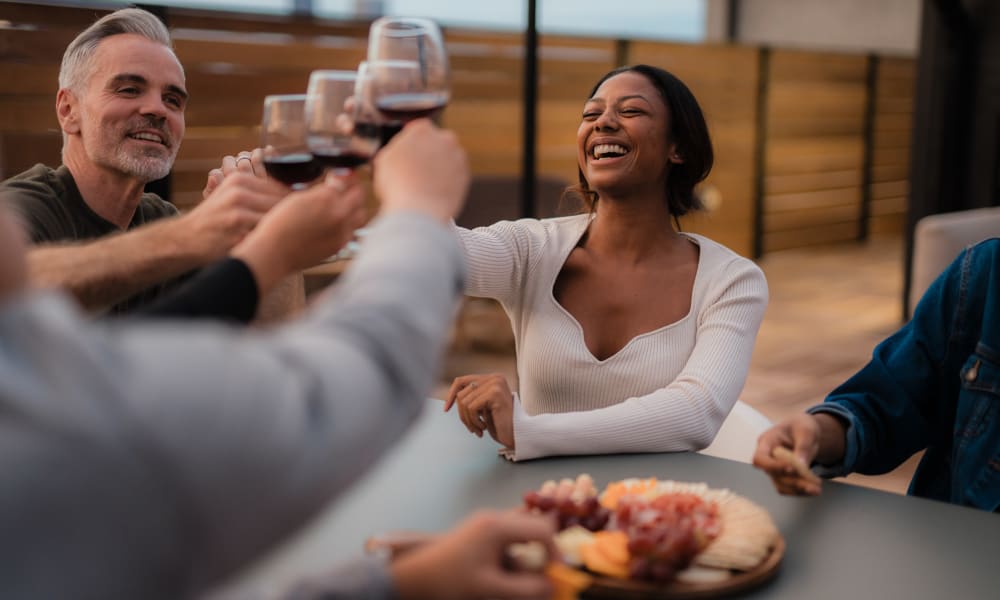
x: 851, y: 442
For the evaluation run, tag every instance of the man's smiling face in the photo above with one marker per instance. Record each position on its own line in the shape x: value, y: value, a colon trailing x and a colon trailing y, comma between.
x: 130, y: 111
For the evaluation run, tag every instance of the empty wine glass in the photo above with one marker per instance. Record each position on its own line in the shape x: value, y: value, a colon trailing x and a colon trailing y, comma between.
x: 284, y: 141
x: 333, y: 139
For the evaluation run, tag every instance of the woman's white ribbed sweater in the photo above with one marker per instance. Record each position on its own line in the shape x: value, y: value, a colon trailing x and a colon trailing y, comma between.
x: 666, y: 390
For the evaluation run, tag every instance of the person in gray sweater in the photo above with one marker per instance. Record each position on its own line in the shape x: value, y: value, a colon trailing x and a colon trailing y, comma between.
x: 155, y: 459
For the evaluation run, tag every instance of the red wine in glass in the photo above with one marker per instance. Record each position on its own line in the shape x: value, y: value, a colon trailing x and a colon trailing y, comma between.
x: 340, y: 159
x: 408, y: 106
x: 383, y: 132
x: 293, y: 169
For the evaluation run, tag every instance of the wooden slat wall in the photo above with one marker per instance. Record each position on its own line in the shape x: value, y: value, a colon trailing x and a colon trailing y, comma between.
x: 814, y: 150
x: 724, y: 80
x: 891, y: 145
x: 568, y: 68
x: 813, y: 141
x: 31, y: 46
x: 485, y: 110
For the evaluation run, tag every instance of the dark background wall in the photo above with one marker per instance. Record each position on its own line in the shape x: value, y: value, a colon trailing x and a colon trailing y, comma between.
x: 955, y: 157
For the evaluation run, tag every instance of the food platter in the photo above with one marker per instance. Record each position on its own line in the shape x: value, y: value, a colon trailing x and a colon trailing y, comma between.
x: 662, y: 540
x: 641, y: 539
x: 608, y: 587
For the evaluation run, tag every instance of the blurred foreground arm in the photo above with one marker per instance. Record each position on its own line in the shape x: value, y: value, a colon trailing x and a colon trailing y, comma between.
x: 189, y: 450
x: 472, y: 561
x: 469, y: 561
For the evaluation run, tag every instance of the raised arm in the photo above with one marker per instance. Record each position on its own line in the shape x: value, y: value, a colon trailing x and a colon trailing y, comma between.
x: 102, y: 272
x: 499, y: 257
x: 222, y: 441
x: 301, y: 230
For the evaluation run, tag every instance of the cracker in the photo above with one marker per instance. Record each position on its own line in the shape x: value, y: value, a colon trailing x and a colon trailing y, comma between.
x: 801, y: 469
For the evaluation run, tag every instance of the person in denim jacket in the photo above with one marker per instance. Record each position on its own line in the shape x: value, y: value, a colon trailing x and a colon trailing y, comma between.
x: 934, y: 385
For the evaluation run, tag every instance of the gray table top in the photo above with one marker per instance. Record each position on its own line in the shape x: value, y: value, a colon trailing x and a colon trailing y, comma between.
x: 849, y: 542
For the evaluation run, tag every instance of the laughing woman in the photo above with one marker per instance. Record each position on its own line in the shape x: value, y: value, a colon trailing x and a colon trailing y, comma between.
x: 631, y: 336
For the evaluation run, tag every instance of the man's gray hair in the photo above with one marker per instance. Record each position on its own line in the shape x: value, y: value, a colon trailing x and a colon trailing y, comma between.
x: 77, y: 59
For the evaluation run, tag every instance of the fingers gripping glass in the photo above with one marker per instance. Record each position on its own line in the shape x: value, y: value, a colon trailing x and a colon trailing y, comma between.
x: 332, y: 113
x: 283, y: 139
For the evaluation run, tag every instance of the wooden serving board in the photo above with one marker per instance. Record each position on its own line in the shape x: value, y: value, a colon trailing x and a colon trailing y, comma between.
x: 609, y: 587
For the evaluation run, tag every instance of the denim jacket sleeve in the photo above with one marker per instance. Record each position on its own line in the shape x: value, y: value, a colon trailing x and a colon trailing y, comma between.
x: 906, y: 398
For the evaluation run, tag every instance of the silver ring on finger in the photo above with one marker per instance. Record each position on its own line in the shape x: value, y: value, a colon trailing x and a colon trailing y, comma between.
x: 246, y: 158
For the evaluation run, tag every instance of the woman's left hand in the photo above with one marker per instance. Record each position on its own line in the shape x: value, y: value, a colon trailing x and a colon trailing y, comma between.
x: 485, y: 403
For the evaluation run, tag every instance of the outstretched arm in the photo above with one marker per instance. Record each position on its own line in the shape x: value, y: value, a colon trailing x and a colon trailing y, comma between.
x: 304, y: 228
x: 102, y: 272
x: 214, y: 442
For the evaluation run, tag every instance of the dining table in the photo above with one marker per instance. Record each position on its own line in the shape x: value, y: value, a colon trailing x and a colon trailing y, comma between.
x: 849, y: 542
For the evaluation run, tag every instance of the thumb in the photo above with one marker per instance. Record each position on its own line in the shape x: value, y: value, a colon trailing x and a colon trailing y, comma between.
x: 804, y: 445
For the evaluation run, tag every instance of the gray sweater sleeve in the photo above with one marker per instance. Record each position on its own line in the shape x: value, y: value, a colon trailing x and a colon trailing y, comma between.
x: 246, y: 432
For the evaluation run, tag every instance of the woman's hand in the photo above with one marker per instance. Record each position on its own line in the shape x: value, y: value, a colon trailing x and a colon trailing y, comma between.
x: 471, y: 560
x: 485, y: 402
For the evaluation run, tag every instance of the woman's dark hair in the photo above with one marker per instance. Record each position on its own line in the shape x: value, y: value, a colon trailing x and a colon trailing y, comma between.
x: 687, y: 130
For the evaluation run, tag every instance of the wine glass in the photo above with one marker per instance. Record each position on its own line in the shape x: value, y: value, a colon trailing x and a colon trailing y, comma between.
x: 284, y: 141
x: 369, y: 123
x: 333, y: 138
x: 409, y: 68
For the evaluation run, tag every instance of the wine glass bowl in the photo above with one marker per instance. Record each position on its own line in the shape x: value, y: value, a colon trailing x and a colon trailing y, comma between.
x: 284, y: 144
x: 409, y: 38
x: 331, y: 115
x: 402, y: 92
x: 408, y: 64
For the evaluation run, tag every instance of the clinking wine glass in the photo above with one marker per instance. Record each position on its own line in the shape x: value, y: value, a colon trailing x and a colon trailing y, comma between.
x: 399, y: 93
x: 409, y: 68
x: 331, y: 116
x: 283, y: 138
x: 369, y: 123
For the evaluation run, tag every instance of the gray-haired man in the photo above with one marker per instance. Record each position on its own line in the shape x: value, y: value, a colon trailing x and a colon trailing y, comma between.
x: 120, y: 106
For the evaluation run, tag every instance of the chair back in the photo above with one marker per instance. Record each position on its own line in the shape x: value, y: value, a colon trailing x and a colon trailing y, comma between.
x: 737, y: 439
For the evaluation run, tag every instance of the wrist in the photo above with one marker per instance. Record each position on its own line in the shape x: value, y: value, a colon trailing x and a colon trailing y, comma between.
x: 184, y: 240
x: 832, y: 438
x: 408, y: 577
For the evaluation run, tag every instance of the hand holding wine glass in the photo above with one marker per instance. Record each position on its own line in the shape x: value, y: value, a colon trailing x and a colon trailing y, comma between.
x: 425, y: 169
x: 283, y: 140
x: 331, y: 115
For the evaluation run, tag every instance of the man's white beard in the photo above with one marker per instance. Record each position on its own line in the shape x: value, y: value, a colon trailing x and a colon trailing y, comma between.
x: 146, y: 168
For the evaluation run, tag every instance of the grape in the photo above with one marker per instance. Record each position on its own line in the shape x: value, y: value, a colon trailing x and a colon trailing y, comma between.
x: 587, y: 512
